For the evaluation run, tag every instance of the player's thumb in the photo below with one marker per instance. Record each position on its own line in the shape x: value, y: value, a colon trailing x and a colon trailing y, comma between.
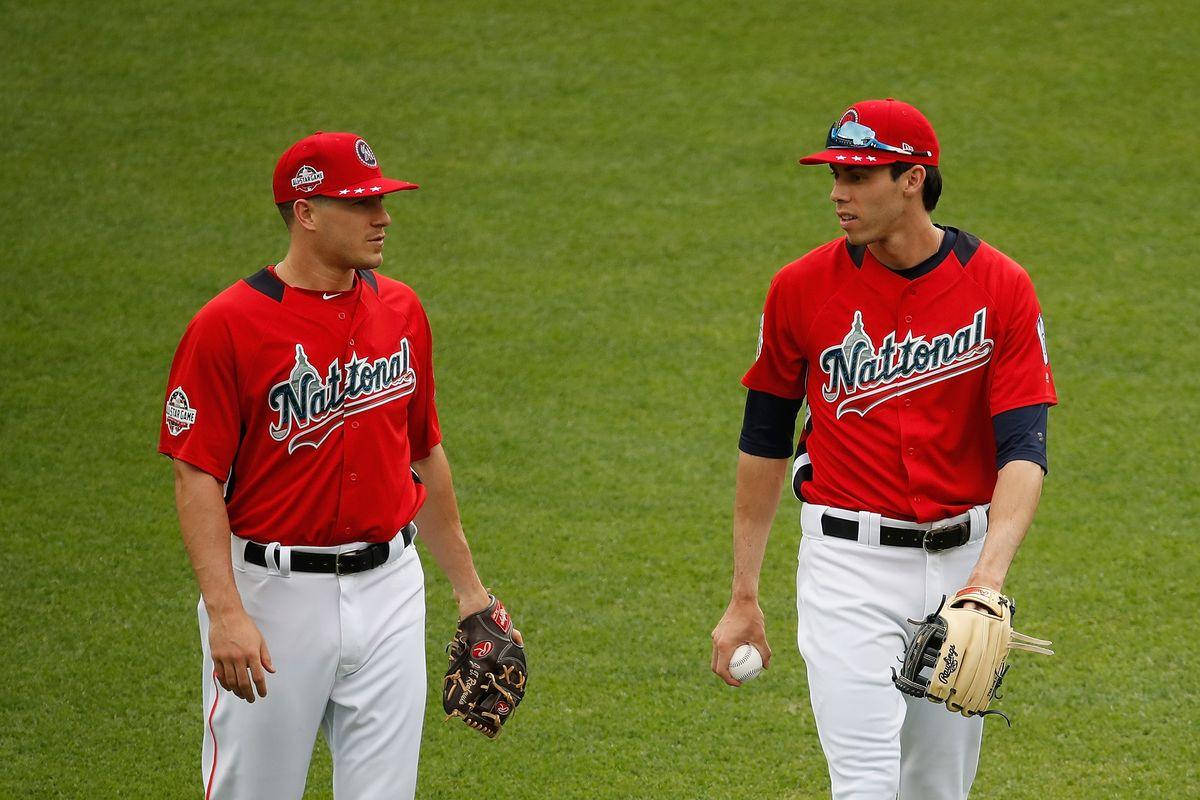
x: 264, y: 655
x: 720, y: 663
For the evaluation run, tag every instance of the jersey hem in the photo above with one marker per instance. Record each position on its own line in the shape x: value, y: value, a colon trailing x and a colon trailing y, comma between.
x: 1047, y: 400
x: 772, y: 391
x: 210, y: 468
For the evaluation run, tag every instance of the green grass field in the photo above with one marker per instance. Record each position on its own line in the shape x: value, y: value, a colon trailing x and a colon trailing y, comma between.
x: 607, y: 189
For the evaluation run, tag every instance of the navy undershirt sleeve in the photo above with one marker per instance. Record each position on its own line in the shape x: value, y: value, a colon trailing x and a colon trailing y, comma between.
x: 769, y: 425
x: 1021, y: 435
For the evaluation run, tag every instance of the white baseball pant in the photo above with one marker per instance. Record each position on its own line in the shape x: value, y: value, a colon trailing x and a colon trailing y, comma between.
x: 349, y: 655
x: 853, y: 599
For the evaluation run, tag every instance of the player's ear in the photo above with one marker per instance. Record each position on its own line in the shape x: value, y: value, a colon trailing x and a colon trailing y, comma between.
x: 914, y: 181
x: 302, y: 211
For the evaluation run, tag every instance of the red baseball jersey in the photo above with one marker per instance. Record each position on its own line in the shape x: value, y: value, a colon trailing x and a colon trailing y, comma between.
x: 902, y: 377
x: 310, y: 406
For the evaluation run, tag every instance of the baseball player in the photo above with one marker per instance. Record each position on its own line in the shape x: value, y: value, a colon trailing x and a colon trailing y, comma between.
x: 300, y: 416
x: 919, y: 354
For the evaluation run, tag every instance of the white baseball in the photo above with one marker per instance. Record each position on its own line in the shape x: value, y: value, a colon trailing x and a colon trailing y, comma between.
x: 746, y: 663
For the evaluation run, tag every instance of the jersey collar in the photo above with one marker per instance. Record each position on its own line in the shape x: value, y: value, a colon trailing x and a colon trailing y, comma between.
x: 938, y: 272
x: 267, y: 283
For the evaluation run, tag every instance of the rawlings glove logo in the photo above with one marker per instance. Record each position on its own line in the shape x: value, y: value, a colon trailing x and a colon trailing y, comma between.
x: 951, y: 665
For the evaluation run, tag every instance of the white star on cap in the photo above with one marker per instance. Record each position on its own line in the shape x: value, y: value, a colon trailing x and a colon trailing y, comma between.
x: 858, y: 158
x: 344, y: 191
x: 841, y: 158
x: 376, y: 188
x: 872, y: 158
x: 358, y: 191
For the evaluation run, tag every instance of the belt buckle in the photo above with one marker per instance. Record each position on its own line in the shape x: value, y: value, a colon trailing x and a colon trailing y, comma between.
x: 935, y: 539
x: 341, y: 567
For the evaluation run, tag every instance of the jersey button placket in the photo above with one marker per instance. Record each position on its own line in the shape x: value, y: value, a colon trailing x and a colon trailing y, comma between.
x: 353, y: 428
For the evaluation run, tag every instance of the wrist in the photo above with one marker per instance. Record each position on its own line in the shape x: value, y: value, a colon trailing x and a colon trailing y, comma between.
x: 471, y: 600
x: 744, y: 595
x: 223, y: 608
x: 989, y: 580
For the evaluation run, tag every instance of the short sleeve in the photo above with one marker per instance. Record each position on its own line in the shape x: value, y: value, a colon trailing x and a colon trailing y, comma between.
x: 424, y: 431
x: 1021, y: 374
x: 779, y: 367
x: 201, y: 421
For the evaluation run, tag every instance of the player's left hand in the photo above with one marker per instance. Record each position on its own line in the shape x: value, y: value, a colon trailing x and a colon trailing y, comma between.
x: 967, y: 649
x: 486, y: 678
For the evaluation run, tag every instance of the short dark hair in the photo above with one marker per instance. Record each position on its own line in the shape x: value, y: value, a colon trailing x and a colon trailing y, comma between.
x: 931, y: 191
x: 285, y: 211
x: 289, y: 216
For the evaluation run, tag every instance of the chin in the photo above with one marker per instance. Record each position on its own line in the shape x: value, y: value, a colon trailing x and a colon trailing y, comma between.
x: 860, y: 238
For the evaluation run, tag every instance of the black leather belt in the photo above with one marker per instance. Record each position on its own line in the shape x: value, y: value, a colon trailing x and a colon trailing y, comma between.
x: 361, y: 560
x: 932, y: 540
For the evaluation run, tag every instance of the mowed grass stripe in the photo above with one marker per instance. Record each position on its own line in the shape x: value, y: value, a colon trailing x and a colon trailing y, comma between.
x: 607, y: 190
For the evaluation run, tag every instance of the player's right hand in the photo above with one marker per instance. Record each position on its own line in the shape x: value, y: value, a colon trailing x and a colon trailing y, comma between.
x: 743, y: 622
x: 239, y: 654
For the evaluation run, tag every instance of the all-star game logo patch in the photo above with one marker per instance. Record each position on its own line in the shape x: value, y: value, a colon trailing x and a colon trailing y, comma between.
x: 179, y: 414
x: 307, y: 178
x: 365, y: 154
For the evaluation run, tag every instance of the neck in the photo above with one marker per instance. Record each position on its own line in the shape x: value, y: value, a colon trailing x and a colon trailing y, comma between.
x: 305, y: 271
x: 907, y: 248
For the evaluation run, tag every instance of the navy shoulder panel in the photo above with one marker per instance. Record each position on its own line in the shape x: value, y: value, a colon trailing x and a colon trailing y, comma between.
x: 368, y: 277
x: 856, y: 253
x: 965, y: 247
x: 264, y: 281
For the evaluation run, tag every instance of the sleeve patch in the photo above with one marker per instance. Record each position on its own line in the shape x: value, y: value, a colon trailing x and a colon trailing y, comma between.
x: 179, y: 413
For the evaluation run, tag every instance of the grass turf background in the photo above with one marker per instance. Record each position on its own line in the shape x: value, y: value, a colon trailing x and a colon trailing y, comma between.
x: 607, y: 189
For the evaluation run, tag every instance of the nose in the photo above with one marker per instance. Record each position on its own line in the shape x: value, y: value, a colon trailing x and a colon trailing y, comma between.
x: 384, y: 219
x: 838, y: 193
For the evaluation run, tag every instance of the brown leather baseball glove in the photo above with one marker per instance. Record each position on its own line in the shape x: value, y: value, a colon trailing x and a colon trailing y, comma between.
x: 967, y: 650
x: 486, y: 678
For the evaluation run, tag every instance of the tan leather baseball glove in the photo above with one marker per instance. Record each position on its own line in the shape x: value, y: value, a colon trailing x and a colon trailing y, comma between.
x: 965, y: 650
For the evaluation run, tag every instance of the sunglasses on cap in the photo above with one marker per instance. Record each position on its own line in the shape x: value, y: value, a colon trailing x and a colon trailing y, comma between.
x: 857, y: 135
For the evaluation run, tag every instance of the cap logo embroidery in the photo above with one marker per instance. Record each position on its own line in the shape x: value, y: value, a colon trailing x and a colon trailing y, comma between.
x: 307, y: 178
x: 179, y: 414
x: 850, y: 115
x: 365, y: 154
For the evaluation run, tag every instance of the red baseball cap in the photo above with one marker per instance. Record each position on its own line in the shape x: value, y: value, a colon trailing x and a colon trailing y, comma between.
x: 879, y: 132
x: 331, y: 165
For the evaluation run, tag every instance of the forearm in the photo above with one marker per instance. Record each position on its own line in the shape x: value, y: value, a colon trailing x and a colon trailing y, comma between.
x: 204, y: 525
x: 441, y: 530
x: 756, y: 499
x: 1014, y: 501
